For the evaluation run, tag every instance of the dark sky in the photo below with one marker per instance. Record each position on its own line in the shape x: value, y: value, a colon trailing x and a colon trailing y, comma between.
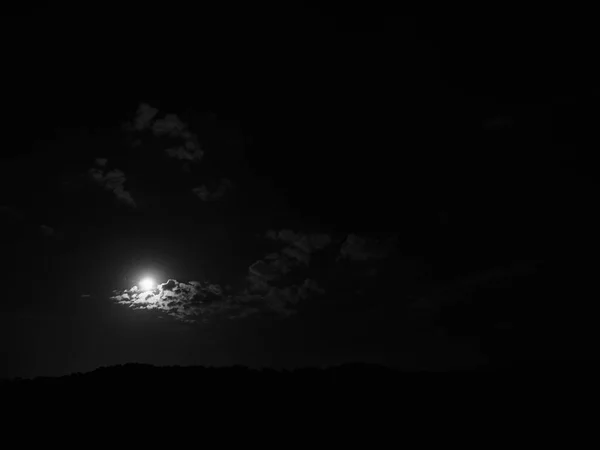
x: 319, y: 187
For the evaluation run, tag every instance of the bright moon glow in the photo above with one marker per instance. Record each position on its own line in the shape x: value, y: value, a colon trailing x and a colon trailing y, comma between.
x: 147, y: 284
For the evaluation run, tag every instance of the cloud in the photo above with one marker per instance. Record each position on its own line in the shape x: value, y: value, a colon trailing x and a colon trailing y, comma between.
x: 498, y: 123
x: 171, y: 125
x: 271, y: 270
x: 281, y: 300
x: 85, y: 295
x: 453, y: 290
x: 144, y: 115
x: 46, y: 230
x: 188, y: 302
x: 185, y: 153
x: 357, y: 248
x: 101, y: 162
x: 196, y: 301
x: 11, y: 214
x: 267, y: 278
x: 205, y: 195
x: 301, y: 245
x: 113, y: 180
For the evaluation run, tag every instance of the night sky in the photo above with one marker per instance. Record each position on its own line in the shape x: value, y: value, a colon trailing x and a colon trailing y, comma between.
x: 306, y: 188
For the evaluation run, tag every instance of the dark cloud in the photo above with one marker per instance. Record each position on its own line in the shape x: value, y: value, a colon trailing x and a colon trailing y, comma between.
x: 185, y: 152
x: 358, y: 248
x: 449, y: 292
x: 283, y: 299
x: 170, y: 125
x: 279, y: 299
x: 15, y: 217
x: 301, y: 245
x: 46, y: 230
x: 271, y: 270
x: 114, y: 181
x: 11, y: 214
x: 205, y: 195
x: 498, y: 123
x: 143, y: 118
x: 269, y: 280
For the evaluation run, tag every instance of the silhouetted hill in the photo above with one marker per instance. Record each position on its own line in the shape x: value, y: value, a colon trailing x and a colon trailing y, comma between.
x: 238, y: 402
x: 359, y: 378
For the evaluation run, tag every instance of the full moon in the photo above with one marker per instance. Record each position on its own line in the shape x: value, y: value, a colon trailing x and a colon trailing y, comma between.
x: 147, y: 284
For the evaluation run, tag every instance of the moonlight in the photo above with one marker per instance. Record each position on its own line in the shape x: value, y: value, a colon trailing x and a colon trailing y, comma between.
x: 146, y: 284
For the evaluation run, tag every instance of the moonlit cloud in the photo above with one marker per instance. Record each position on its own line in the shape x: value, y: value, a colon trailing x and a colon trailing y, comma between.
x: 196, y: 301
x: 188, y: 302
